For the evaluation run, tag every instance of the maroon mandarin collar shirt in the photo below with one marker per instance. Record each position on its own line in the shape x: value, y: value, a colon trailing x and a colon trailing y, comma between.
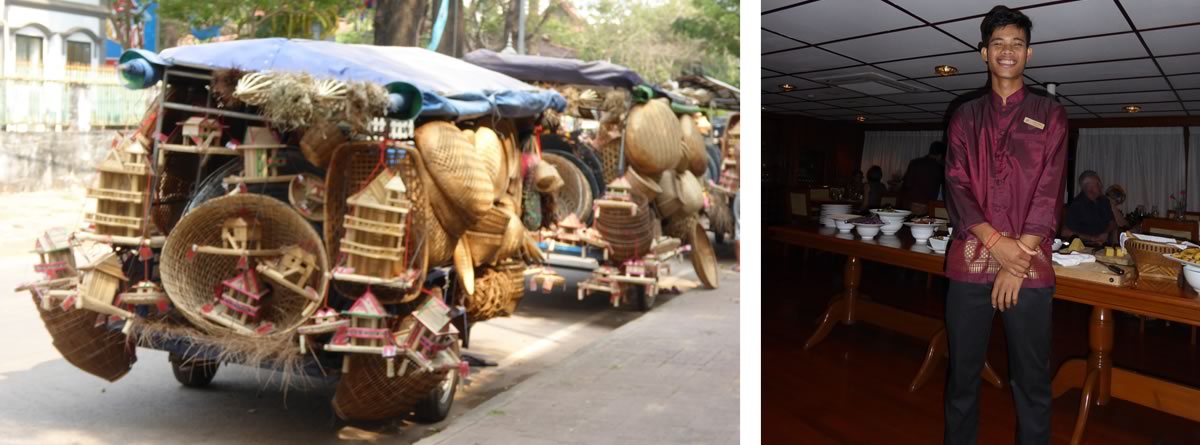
x: 1005, y: 167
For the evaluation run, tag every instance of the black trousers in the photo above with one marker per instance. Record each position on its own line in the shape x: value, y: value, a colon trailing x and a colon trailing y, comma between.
x: 969, y: 314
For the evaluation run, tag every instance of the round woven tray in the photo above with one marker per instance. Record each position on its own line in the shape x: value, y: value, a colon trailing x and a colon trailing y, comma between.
x: 695, y: 156
x: 628, y: 236
x: 455, y: 170
x: 190, y: 283
x: 704, y: 258
x: 575, y: 196
x: 349, y: 170
x: 367, y: 393
x: 96, y: 350
x: 652, y: 138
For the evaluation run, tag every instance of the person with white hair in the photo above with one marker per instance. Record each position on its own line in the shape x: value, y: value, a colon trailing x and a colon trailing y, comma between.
x: 1090, y: 215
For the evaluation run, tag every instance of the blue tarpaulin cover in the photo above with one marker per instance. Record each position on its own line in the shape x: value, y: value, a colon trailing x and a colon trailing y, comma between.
x: 449, y: 87
x: 556, y: 70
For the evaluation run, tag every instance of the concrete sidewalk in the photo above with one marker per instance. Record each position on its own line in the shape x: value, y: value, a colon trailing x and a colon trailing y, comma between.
x: 669, y: 377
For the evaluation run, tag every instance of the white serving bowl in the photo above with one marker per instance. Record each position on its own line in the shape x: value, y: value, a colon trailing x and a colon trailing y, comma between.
x: 836, y: 207
x: 891, y: 228
x: 938, y: 243
x: 843, y: 226
x: 893, y: 213
x: 1192, y: 275
x: 867, y: 230
x: 827, y: 222
x: 921, y: 232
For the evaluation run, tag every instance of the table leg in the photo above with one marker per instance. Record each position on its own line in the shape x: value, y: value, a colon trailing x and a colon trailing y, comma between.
x: 938, y: 349
x: 842, y: 306
x: 1100, y: 340
x: 1095, y: 374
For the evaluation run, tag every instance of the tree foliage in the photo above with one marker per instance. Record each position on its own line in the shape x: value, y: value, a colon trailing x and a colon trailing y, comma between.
x: 717, y: 21
x: 261, y: 18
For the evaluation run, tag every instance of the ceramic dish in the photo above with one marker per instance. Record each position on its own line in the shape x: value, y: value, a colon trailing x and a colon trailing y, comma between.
x: 867, y: 230
x: 938, y: 243
x: 1192, y: 275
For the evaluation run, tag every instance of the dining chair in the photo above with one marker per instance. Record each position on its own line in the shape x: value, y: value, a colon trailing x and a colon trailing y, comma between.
x: 1189, y: 230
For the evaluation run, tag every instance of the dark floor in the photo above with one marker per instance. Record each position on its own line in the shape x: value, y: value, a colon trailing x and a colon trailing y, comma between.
x: 853, y: 387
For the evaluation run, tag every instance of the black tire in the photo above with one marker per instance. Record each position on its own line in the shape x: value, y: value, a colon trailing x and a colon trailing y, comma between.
x: 193, y: 373
x: 437, y: 406
x: 645, y: 301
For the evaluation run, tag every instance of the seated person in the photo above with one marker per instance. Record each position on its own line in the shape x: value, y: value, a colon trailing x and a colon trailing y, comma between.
x: 1090, y: 215
x: 1116, y: 196
x: 874, y: 189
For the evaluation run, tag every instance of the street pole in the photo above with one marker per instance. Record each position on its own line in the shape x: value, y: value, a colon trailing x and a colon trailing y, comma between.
x: 521, y: 27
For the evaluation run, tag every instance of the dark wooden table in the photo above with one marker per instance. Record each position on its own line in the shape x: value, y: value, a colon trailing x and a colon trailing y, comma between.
x: 1095, y: 375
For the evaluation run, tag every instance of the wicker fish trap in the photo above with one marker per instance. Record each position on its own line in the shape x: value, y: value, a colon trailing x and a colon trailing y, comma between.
x: 367, y: 393
x: 94, y: 349
x: 191, y: 278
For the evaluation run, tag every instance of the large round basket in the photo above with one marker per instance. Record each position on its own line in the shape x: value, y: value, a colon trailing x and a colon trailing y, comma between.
x: 653, y: 140
x: 367, y: 393
x: 691, y: 193
x: 352, y: 166
x: 191, y: 277
x: 96, y: 350
x: 628, y: 236
x: 704, y: 258
x: 575, y: 196
x: 644, y: 187
x: 695, y: 155
x: 668, y: 201
x: 457, y: 172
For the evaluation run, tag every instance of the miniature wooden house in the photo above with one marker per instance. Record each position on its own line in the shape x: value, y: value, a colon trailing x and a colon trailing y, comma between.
x: 619, y: 189
x: 121, y: 190
x: 261, y: 158
x: 635, y: 267
x: 201, y: 132
x: 292, y: 270
x: 375, y: 229
x: 238, y: 303
x: 57, y: 257
x: 324, y: 321
x: 145, y: 293
x: 366, y: 331
x: 425, y: 333
x: 241, y: 234
x: 101, y: 281
x: 571, y: 230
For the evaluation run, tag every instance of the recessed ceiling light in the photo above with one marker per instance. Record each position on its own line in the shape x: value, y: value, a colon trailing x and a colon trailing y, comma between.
x: 861, y: 118
x: 945, y: 70
x: 1132, y: 108
x: 787, y: 87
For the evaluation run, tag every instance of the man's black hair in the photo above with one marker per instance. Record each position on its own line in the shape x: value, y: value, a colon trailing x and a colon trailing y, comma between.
x: 874, y: 174
x: 1001, y: 16
x: 937, y: 148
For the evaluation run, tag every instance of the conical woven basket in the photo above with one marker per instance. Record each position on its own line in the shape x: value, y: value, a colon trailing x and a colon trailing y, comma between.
x: 691, y: 193
x: 190, y: 278
x: 492, y: 155
x: 320, y: 141
x: 367, y: 393
x: 498, y: 291
x: 96, y: 350
x: 668, y: 201
x: 628, y: 236
x: 652, y: 138
x: 457, y: 172
x: 695, y: 157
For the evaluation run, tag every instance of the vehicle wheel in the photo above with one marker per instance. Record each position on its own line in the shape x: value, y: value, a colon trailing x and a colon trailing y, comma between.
x: 645, y: 301
x: 436, y: 407
x: 193, y: 373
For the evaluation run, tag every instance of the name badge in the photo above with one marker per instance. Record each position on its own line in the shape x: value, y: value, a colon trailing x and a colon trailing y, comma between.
x: 1035, y: 124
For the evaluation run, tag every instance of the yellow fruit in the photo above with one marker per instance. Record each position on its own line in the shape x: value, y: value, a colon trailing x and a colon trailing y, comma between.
x: 1121, y: 252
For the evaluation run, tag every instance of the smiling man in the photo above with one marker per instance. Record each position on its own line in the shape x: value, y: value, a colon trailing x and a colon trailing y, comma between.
x: 1004, y: 179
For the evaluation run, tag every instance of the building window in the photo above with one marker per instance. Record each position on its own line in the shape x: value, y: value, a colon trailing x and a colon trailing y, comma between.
x: 29, y: 50
x: 79, y: 53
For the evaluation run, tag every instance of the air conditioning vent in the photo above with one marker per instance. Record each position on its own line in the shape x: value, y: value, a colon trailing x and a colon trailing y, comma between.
x: 871, y: 83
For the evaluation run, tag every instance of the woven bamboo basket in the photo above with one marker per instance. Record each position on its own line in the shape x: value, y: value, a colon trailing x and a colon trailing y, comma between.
x: 367, y: 393
x: 691, y: 193
x: 644, y: 187
x: 628, y: 236
x: 190, y: 282
x: 704, y: 258
x: 695, y: 157
x: 720, y: 216
x: 575, y: 196
x: 456, y: 171
x: 498, y: 291
x: 652, y: 138
x: 668, y: 201
x: 174, y: 189
x: 546, y: 178
x: 351, y: 167
x: 610, y: 160
x: 493, y: 238
x: 96, y: 350
x: 1149, y: 260
x: 320, y: 141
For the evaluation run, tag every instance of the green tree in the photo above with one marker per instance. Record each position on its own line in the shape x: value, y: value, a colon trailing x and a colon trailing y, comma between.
x: 717, y: 22
x: 261, y: 18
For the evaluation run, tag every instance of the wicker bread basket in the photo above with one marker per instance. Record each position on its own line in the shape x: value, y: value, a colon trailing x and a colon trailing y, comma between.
x: 1148, y: 257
